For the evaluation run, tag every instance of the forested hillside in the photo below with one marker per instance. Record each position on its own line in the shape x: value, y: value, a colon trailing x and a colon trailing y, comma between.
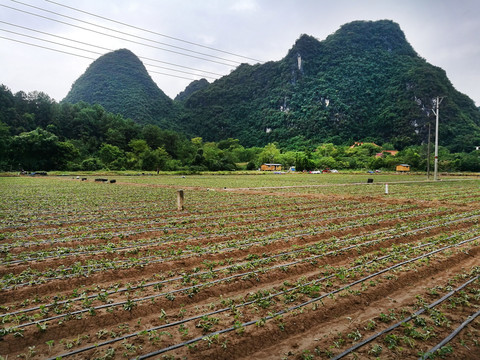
x: 120, y: 83
x: 364, y: 82
x: 191, y: 88
x: 36, y: 133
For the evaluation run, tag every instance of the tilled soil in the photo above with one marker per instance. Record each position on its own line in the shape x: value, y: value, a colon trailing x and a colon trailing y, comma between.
x: 302, y: 282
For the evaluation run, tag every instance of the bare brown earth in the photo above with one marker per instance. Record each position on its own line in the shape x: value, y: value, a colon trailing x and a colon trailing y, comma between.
x: 314, y: 246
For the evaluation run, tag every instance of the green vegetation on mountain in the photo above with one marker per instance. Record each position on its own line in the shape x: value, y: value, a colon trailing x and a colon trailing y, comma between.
x: 191, y: 88
x: 364, y: 82
x: 36, y: 133
x: 120, y: 83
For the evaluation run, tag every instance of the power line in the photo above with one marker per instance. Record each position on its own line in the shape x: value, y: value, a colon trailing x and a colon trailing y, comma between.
x: 93, y: 52
x: 102, y: 48
x: 123, y: 33
x: 152, y: 32
x: 82, y: 56
x: 49, y: 41
x: 113, y: 36
x: 44, y: 47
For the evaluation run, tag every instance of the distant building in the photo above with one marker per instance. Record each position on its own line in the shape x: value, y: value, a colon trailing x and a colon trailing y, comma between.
x: 271, y: 167
x: 358, y: 143
x: 391, y: 152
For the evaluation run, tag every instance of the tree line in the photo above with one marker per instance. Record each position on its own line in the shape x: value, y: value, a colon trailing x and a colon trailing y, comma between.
x: 39, y: 134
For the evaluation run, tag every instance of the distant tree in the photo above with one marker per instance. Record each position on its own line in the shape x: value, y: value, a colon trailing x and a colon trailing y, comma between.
x: 155, y: 160
x: 269, y: 154
x: 4, y: 146
x: 228, y: 144
x: 112, y: 156
x: 138, y: 146
x: 91, y: 164
x: 153, y: 135
x: 288, y: 158
x: 469, y: 162
x: 36, y: 150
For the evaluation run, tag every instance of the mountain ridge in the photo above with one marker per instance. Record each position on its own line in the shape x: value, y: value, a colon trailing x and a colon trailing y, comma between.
x: 363, y: 82
x: 377, y: 88
x: 121, y: 84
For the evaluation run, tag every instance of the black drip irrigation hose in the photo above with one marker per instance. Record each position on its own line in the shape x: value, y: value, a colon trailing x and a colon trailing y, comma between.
x: 165, y: 228
x: 70, y: 239
x: 165, y: 213
x: 128, y: 233
x: 126, y: 264
x: 204, y: 272
x: 205, y: 284
x: 451, y: 336
x: 394, y: 326
x: 77, y: 239
x: 178, y: 290
x: 191, y: 219
x: 176, y: 346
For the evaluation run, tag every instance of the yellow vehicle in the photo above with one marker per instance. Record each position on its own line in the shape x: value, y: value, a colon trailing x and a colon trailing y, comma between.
x: 403, y: 168
x: 271, y: 167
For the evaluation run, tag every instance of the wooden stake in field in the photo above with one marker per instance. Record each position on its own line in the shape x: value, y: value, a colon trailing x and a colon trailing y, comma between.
x: 386, y: 189
x: 180, y: 199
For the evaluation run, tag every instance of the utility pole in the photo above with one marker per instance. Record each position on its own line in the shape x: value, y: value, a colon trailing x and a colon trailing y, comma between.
x: 428, y: 154
x: 436, y: 112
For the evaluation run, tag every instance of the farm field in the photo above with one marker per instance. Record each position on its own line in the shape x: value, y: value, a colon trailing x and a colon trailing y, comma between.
x: 255, y: 267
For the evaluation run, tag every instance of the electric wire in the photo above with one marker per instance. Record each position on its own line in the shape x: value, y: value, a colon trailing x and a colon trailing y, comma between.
x: 153, y: 32
x: 107, y: 49
x: 44, y: 47
x: 97, y: 53
x: 82, y: 56
x: 116, y: 37
x: 124, y: 33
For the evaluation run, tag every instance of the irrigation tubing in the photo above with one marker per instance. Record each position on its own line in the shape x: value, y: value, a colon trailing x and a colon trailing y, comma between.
x: 209, y: 283
x: 451, y: 336
x: 394, y: 326
x: 269, y: 317
x: 205, y: 284
x: 161, y: 351
x: 239, y: 212
x: 191, y: 219
x: 92, y: 252
x: 5, y: 247
x: 127, y: 264
x: 185, y: 289
x: 119, y: 264
x: 71, y: 239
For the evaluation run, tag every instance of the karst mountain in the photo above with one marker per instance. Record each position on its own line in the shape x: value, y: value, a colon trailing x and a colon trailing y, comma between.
x: 363, y: 82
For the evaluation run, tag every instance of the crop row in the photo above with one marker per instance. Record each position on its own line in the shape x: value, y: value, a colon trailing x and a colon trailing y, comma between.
x: 453, y: 191
x: 307, y: 253
x: 238, y: 274
x: 395, y: 254
x: 273, y: 304
x: 418, y: 325
x: 27, y: 276
x: 174, y: 220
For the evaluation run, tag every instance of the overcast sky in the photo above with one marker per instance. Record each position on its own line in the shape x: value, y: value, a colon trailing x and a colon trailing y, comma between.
x: 444, y: 32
